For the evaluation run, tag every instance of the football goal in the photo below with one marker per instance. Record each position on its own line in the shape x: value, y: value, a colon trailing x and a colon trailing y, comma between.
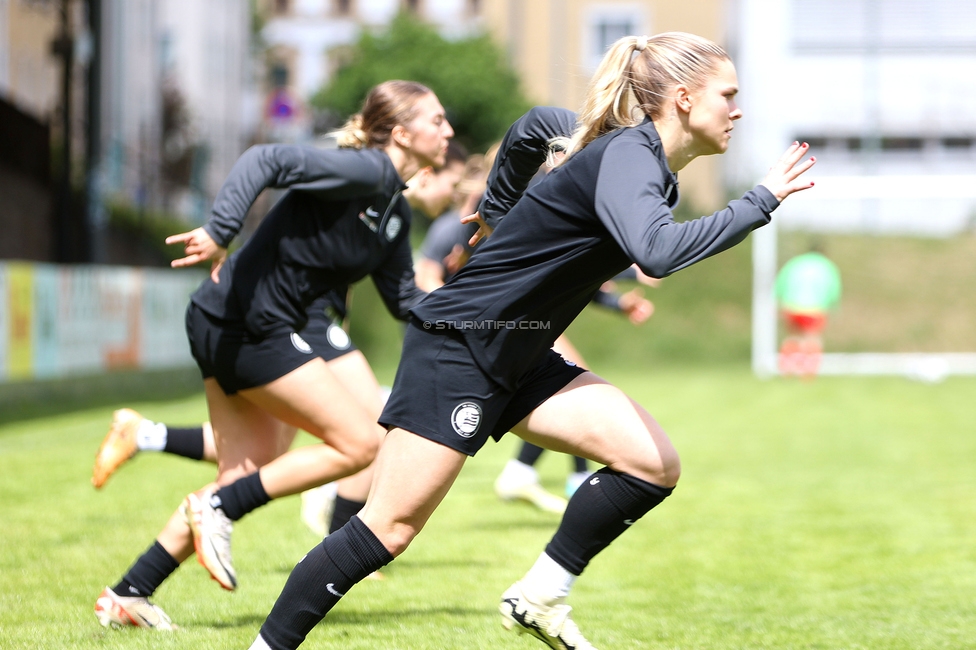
x: 908, y: 304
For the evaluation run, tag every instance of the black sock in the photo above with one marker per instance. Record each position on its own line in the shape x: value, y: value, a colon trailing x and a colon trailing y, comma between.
x: 579, y: 464
x: 185, y: 442
x: 529, y: 454
x: 343, y: 511
x: 241, y: 497
x: 319, y: 580
x: 148, y: 572
x: 600, y: 510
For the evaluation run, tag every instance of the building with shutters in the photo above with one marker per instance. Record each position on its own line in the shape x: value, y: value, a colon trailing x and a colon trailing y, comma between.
x: 885, y: 93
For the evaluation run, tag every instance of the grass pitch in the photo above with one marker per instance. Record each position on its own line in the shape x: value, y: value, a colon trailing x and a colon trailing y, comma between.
x: 839, y: 513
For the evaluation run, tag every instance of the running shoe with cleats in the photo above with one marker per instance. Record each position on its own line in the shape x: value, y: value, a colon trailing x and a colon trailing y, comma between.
x: 532, y: 493
x: 574, y: 481
x: 119, y: 445
x: 116, y: 611
x: 550, y: 624
x: 211, y: 537
x: 317, y: 506
x: 520, y: 482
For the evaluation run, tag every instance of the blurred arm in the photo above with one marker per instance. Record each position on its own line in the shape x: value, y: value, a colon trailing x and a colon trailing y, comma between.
x: 523, y: 150
x: 343, y: 172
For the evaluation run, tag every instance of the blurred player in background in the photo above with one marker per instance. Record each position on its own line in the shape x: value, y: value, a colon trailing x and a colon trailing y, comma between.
x: 808, y: 287
x: 326, y: 508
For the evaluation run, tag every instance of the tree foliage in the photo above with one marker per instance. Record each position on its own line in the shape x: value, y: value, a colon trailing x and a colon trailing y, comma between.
x: 474, y: 82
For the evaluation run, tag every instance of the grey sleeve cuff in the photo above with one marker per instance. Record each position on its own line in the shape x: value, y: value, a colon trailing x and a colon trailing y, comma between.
x: 763, y: 199
x: 221, y: 235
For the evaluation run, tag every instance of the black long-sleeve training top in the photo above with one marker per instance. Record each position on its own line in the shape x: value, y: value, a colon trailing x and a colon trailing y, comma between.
x: 606, y: 207
x: 343, y: 218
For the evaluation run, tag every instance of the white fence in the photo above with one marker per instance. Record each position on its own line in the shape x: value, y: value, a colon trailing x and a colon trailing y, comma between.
x: 58, y: 321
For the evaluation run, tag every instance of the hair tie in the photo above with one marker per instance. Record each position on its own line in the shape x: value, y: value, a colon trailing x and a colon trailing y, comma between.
x: 641, y: 43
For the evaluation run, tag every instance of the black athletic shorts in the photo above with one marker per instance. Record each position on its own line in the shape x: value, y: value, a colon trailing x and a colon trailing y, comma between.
x: 326, y: 337
x: 441, y: 394
x: 237, y: 359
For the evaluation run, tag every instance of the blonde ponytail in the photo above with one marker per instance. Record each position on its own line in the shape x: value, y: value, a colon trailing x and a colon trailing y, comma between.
x: 608, y: 101
x: 352, y: 135
x: 635, y: 77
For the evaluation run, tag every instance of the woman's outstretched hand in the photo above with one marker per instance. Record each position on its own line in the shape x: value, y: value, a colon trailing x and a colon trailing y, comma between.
x: 484, y: 230
x: 199, y: 246
x: 784, y: 177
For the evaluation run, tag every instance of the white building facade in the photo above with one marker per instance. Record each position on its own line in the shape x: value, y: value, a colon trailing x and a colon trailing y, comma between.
x: 200, y: 48
x: 885, y: 93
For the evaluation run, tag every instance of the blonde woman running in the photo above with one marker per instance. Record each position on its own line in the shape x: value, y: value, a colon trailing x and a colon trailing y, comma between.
x: 477, y: 358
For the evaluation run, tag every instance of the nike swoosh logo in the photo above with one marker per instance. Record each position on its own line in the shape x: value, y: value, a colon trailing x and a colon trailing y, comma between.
x: 331, y: 589
x: 629, y: 522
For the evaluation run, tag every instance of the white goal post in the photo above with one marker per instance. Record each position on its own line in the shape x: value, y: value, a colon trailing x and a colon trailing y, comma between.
x: 765, y: 335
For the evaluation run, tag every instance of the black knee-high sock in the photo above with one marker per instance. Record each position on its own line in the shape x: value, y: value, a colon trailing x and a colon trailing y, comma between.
x: 185, y: 442
x: 148, y: 572
x: 579, y: 464
x: 529, y: 454
x: 343, y: 511
x: 318, y: 582
x: 602, y: 508
x: 242, y: 496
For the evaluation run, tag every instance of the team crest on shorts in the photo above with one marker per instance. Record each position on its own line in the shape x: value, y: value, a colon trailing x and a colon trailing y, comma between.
x: 300, y: 344
x: 466, y: 419
x: 393, y: 227
x: 337, y: 337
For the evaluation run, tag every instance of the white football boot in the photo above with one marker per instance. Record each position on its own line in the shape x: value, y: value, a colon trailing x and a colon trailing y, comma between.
x: 211, y: 537
x: 520, y: 482
x: 550, y: 624
x: 113, y: 610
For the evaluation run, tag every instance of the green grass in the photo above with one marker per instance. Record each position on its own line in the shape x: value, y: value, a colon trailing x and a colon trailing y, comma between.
x: 832, y: 514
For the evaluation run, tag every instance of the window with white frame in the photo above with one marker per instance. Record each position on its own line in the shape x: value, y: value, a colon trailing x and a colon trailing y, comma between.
x: 605, y: 24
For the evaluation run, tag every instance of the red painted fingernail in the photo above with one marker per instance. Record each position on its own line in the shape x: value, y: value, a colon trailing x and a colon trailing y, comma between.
x: 805, y: 145
x: 811, y: 183
x: 813, y: 159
